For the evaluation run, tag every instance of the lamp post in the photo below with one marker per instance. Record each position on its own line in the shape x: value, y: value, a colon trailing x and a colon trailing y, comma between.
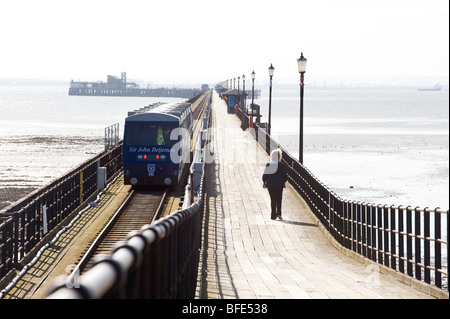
x: 243, y: 90
x: 239, y: 83
x: 271, y: 70
x: 253, y: 88
x: 301, y: 69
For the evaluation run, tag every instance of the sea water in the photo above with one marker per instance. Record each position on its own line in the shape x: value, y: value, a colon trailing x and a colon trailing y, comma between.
x: 44, y: 132
x: 384, y: 146
x: 369, y: 145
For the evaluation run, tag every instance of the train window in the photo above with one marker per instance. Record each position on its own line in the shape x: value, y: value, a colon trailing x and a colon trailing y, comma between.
x: 148, y: 134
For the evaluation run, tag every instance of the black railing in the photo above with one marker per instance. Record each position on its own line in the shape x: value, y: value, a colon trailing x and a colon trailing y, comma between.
x: 411, y: 240
x: 160, y: 261
x: 24, y: 225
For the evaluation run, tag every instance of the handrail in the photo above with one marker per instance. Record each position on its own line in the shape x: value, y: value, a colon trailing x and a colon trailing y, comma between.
x: 159, y: 261
x: 43, y: 210
x: 406, y: 239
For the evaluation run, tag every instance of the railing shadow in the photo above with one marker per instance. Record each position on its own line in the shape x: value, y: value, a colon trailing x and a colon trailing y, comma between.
x: 292, y: 222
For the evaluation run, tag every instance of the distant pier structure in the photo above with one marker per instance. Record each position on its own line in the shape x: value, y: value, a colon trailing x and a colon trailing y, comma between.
x: 116, y: 86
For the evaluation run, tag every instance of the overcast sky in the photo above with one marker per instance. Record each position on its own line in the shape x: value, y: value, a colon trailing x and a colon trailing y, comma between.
x: 184, y: 41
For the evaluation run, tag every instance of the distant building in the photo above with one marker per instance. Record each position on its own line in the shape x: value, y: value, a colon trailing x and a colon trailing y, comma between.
x: 233, y: 97
x: 113, y: 83
x: 116, y: 86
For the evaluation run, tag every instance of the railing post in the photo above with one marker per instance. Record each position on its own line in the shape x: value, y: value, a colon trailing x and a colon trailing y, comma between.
x: 16, y: 238
x: 339, y: 222
x: 437, y: 248
x: 374, y: 232
x: 6, y: 245
x: 27, y: 229
x: 21, y: 232
x: 354, y: 220
x: 393, y: 241
x: 345, y: 231
x: 417, y: 250
x: 401, y: 249
x: 409, y: 267
x: 364, y: 229
x: 358, y: 228
x: 386, y: 235
x: 426, y: 229
x: 331, y: 219
x: 3, y: 225
x: 81, y: 186
x: 326, y: 220
x: 380, y: 233
x: 369, y: 231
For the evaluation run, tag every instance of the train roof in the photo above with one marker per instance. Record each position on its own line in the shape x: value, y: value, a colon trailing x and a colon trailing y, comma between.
x: 171, y: 112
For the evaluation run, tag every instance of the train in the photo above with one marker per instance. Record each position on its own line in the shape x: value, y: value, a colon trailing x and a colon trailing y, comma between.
x: 156, y: 144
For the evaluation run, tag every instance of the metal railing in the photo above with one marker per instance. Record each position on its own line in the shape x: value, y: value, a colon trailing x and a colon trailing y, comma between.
x: 24, y: 225
x: 160, y: 261
x: 411, y: 240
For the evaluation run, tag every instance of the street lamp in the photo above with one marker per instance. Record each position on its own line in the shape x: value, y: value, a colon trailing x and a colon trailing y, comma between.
x: 253, y: 88
x: 271, y: 71
x: 245, y: 97
x: 301, y: 69
x: 239, y: 83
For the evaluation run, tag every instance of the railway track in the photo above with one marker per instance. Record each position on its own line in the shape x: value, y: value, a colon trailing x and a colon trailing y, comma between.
x: 198, y: 109
x: 141, y: 207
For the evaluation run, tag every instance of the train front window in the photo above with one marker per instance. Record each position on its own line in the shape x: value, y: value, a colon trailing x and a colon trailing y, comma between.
x: 149, y: 134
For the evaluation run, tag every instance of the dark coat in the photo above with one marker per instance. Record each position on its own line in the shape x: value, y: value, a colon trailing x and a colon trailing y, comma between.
x: 274, y: 175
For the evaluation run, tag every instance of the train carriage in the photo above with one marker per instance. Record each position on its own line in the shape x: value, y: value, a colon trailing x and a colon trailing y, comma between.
x: 156, y: 144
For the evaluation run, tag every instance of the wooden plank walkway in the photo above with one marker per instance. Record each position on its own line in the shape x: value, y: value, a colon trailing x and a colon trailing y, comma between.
x: 248, y: 255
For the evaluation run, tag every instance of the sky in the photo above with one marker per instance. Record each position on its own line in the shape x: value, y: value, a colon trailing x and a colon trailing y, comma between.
x: 180, y: 41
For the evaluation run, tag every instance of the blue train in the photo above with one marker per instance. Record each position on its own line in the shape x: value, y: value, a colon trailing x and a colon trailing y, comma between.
x: 156, y: 144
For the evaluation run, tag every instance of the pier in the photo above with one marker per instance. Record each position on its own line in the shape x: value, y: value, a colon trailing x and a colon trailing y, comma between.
x: 116, y: 86
x: 222, y: 243
x: 137, y: 92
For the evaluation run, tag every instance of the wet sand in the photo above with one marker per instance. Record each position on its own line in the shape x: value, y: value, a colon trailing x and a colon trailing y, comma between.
x: 30, y: 162
x: 10, y: 195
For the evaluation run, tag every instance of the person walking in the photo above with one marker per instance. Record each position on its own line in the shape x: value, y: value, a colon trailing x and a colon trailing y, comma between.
x: 274, y: 179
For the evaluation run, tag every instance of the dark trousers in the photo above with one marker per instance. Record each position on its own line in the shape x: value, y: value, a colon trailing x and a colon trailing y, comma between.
x: 276, y: 195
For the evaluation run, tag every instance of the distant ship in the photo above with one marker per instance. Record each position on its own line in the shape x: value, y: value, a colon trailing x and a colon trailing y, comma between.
x: 437, y: 87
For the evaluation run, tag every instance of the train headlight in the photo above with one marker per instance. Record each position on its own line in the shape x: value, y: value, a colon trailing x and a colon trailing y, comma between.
x: 167, y: 181
x: 133, y: 181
